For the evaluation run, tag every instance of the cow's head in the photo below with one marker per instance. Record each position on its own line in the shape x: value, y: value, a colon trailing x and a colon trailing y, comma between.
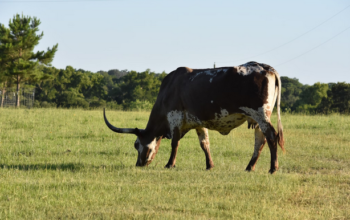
x: 146, y: 145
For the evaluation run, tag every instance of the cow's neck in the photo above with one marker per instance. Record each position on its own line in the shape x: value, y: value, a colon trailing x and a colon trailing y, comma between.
x: 157, y: 126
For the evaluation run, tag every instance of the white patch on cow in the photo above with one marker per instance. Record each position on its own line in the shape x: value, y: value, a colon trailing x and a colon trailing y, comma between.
x: 211, y: 101
x: 140, y: 148
x: 259, y: 140
x: 152, y: 146
x: 271, y: 90
x: 175, y: 119
x: 211, y: 72
x: 260, y: 116
x: 247, y: 69
x: 207, y: 72
x: 222, y: 114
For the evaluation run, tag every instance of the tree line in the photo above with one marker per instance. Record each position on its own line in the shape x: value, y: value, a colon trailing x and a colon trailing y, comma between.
x: 119, y: 89
x: 318, y: 98
x: 116, y: 89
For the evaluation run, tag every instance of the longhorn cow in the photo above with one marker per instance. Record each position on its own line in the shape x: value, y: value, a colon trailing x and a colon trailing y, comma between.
x: 218, y: 99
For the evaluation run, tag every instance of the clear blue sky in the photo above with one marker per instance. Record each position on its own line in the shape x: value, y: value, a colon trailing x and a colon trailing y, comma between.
x: 165, y: 34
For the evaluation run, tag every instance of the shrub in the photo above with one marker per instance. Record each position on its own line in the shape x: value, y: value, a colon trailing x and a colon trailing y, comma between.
x: 45, y: 104
x: 114, y: 105
x: 140, y: 105
x: 98, y: 104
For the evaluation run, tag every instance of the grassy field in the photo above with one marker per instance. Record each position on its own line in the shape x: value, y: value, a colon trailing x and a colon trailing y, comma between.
x: 66, y: 164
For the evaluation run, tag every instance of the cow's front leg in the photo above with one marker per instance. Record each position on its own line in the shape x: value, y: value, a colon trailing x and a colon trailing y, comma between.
x: 203, y: 137
x: 174, y: 146
x: 260, y: 141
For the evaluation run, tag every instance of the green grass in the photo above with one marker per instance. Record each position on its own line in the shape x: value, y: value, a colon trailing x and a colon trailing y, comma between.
x: 66, y: 164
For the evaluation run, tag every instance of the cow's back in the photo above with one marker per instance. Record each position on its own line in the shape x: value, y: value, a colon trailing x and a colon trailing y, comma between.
x: 206, y: 92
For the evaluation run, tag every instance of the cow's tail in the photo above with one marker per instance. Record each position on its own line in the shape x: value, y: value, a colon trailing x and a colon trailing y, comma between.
x: 279, y: 123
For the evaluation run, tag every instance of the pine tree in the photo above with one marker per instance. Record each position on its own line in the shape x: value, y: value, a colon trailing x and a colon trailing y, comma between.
x: 5, y: 81
x: 17, y: 59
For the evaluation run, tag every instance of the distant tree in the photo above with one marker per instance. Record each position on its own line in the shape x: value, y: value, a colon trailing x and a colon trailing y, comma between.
x: 326, y: 104
x: 108, y: 84
x: 46, y: 90
x: 70, y: 87
x: 134, y: 86
x: 5, y: 81
x: 97, y: 87
x: 291, y: 90
x: 311, y: 97
x: 82, y: 71
x: 161, y: 76
x: 115, y: 73
x: 330, y: 85
x: 16, y: 51
x: 314, y: 94
x: 337, y: 100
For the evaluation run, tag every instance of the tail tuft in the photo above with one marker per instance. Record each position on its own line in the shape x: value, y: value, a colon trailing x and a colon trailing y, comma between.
x: 281, y: 141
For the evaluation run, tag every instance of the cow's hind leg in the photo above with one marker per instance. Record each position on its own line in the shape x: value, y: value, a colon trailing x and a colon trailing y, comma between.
x: 174, y: 146
x: 262, y: 116
x: 260, y: 141
x: 271, y: 137
x: 203, y: 137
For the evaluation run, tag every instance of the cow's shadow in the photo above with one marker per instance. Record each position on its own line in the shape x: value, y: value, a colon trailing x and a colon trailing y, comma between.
x: 44, y: 166
x: 73, y: 167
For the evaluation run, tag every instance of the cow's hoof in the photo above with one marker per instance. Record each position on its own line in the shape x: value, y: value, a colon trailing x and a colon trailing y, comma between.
x: 209, y: 168
x: 169, y: 166
x: 272, y: 171
x: 250, y: 168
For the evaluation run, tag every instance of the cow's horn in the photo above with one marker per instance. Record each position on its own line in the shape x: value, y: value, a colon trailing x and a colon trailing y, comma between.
x: 120, y: 130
